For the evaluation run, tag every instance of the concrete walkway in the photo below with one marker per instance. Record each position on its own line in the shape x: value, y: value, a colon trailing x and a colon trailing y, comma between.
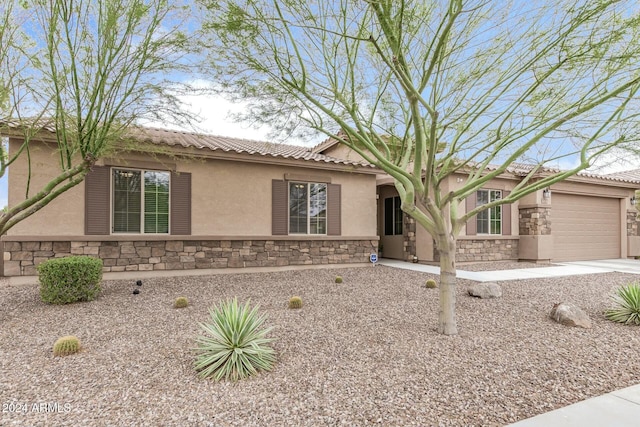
x: 557, y: 270
x: 620, y: 408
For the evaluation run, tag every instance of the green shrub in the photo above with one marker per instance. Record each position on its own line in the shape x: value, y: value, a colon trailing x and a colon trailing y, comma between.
x: 295, y: 302
x: 234, y: 345
x: 431, y: 284
x: 66, y: 345
x: 70, y: 279
x: 338, y: 279
x: 181, y: 302
x: 627, y: 309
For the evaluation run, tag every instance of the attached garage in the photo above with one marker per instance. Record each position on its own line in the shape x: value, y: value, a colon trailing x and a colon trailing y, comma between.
x: 585, y: 227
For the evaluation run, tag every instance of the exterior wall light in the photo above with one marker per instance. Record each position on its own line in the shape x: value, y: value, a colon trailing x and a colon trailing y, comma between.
x: 633, y: 200
x: 546, y: 193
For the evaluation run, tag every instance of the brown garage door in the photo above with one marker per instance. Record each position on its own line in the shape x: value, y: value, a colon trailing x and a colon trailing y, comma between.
x: 585, y: 227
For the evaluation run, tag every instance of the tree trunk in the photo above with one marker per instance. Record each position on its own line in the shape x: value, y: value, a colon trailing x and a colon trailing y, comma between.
x: 447, y: 316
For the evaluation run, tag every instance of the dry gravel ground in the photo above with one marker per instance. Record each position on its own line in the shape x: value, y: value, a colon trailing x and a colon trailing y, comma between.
x: 359, y: 353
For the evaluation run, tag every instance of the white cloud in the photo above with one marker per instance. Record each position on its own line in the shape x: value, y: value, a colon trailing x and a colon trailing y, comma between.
x: 215, y: 113
x: 615, y: 161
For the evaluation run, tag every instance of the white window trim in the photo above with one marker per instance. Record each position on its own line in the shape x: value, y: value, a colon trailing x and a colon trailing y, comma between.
x: 111, y: 201
x: 326, y: 219
x: 489, y: 190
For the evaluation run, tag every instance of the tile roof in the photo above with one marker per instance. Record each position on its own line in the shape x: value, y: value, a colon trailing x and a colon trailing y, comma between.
x: 185, y: 139
x: 236, y: 145
x: 633, y: 177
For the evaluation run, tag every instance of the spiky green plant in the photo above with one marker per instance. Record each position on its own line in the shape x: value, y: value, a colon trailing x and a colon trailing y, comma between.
x: 234, y: 345
x: 627, y: 309
x: 181, y: 302
x: 338, y: 279
x: 66, y: 345
x: 295, y: 302
x: 431, y: 284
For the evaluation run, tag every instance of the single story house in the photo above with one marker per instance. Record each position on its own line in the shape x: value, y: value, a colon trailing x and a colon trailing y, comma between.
x: 201, y: 202
x: 587, y: 216
x: 216, y: 202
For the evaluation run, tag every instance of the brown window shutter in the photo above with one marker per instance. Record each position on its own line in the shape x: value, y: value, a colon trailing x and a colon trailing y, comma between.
x: 279, y: 208
x: 506, y: 216
x: 470, y: 203
x: 334, y: 209
x: 181, y: 203
x: 97, y: 209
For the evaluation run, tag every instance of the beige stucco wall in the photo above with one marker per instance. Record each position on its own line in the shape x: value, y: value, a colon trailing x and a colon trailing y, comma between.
x: 229, y: 198
x: 63, y: 215
x: 341, y: 151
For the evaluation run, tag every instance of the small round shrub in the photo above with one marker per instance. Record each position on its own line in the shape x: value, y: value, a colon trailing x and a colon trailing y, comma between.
x: 66, y: 345
x: 181, y: 302
x: 627, y: 305
x: 234, y: 345
x: 295, y: 302
x: 70, y: 279
x: 339, y: 279
x: 431, y: 284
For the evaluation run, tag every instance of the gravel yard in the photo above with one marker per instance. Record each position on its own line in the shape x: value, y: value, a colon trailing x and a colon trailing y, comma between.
x: 359, y: 353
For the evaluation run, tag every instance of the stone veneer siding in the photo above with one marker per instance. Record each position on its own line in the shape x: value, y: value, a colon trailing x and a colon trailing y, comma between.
x: 409, y: 234
x: 473, y: 250
x: 535, y: 221
x: 632, y: 223
x: 22, y: 257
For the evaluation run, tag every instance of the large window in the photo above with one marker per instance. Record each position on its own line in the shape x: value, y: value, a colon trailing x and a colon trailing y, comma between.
x: 489, y: 221
x: 140, y: 201
x: 307, y: 208
x: 392, y: 216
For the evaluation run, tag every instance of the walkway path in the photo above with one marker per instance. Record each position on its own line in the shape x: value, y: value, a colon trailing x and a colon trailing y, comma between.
x: 557, y: 270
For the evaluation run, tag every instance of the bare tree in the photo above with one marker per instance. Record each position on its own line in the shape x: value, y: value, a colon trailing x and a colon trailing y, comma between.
x: 424, y: 90
x: 81, y: 72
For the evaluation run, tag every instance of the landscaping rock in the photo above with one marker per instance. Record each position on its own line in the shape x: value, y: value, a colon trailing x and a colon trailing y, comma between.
x: 485, y: 290
x: 570, y: 314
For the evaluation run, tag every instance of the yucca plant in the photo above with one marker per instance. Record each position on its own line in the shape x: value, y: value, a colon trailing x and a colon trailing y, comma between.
x: 627, y: 310
x: 234, y: 345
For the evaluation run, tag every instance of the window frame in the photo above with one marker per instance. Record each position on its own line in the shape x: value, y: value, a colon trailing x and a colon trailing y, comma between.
x: 397, y: 217
x: 308, y: 208
x: 142, y: 171
x: 489, y: 221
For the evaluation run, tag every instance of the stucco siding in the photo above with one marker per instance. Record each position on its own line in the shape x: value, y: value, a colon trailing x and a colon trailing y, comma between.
x: 229, y: 198
x: 63, y: 215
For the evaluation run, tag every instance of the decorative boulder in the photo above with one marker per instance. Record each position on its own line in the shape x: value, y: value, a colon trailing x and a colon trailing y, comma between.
x: 485, y: 290
x: 569, y: 314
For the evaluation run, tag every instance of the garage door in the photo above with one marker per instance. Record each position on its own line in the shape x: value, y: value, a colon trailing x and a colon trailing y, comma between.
x: 585, y: 227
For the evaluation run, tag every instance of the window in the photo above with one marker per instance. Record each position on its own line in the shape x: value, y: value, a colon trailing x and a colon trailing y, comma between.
x: 307, y: 208
x: 140, y: 201
x: 489, y: 221
x: 392, y: 216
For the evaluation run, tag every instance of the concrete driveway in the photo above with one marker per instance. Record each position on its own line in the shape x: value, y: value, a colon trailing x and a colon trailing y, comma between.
x: 631, y: 266
x: 623, y: 265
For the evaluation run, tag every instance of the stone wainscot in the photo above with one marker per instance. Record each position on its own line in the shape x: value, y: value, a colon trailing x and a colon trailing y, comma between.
x: 21, y: 256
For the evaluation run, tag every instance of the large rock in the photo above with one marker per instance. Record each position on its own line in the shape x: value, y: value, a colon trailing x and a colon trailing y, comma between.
x: 485, y: 290
x: 569, y: 314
